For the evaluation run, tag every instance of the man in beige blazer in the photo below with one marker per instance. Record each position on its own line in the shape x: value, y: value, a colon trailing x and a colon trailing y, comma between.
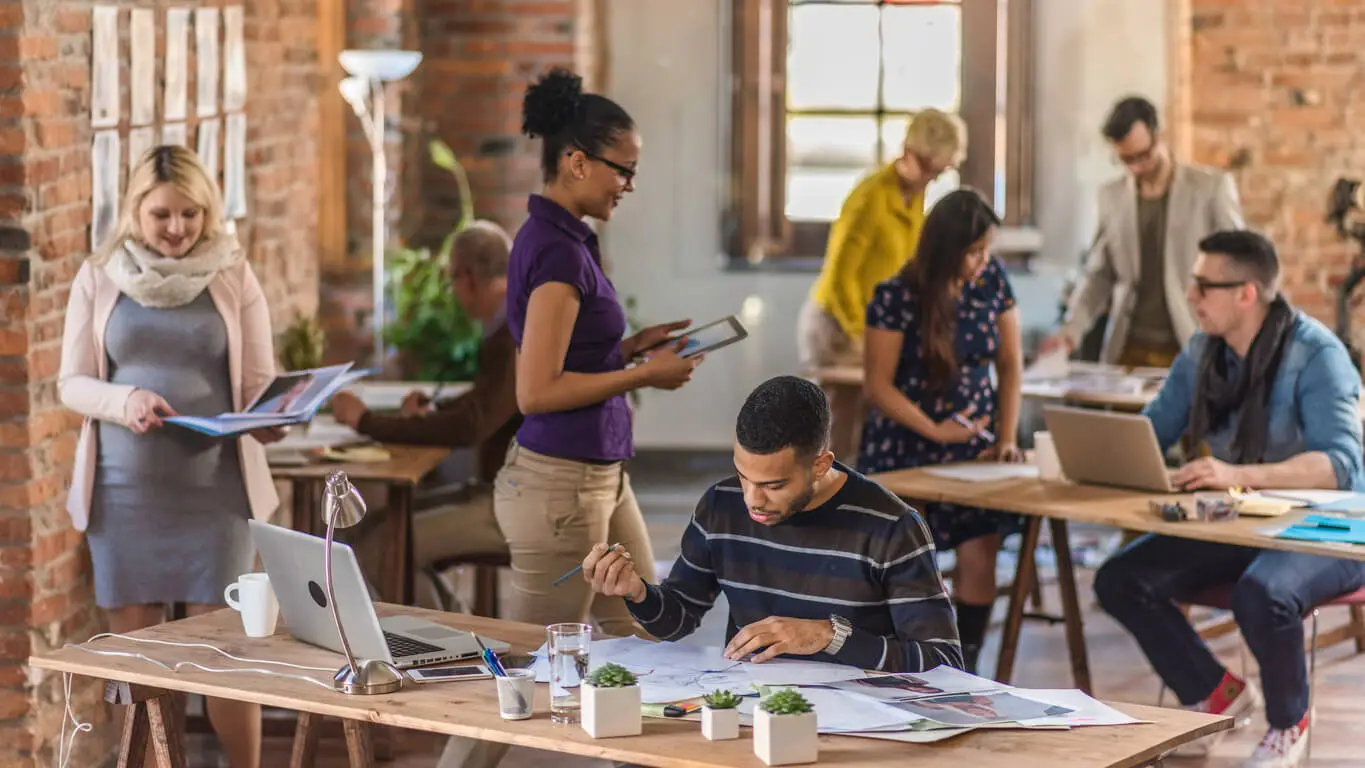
x: 1150, y: 223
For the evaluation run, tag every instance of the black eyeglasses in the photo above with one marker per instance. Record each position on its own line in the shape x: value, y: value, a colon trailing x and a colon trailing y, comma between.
x: 1204, y: 286
x: 627, y: 174
x: 1138, y: 158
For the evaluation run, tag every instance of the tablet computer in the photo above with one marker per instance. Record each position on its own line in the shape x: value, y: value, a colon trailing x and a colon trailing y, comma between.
x: 705, y: 338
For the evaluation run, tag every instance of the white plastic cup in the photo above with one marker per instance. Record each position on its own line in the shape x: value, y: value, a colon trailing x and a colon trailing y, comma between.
x: 1045, y: 457
x: 517, y: 694
x: 256, y: 602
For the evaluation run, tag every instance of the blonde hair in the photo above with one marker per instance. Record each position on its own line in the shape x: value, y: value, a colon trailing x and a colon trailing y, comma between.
x: 938, y: 135
x: 482, y: 249
x: 167, y: 164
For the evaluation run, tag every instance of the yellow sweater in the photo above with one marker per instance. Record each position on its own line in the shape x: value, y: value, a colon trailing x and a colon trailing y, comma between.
x: 875, y: 234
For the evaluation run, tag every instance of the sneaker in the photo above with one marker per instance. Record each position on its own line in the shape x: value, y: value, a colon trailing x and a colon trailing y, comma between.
x: 1281, y: 748
x: 1234, y: 698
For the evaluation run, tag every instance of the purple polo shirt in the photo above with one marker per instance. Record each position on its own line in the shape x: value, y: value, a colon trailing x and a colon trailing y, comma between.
x: 555, y: 247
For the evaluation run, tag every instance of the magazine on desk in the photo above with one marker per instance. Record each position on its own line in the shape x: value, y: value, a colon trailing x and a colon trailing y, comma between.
x: 292, y: 398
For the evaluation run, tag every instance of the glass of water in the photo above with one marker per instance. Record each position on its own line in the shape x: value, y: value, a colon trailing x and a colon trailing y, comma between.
x: 568, y: 646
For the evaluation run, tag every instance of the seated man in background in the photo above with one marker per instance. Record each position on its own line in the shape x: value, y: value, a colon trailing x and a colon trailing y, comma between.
x: 485, y: 417
x: 1266, y: 397
x: 815, y: 559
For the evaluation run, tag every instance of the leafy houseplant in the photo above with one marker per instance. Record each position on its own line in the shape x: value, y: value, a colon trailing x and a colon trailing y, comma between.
x: 435, y: 337
x: 719, y: 716
x: 611, y: 703
x: 785, y: 729
x: 302, y: 344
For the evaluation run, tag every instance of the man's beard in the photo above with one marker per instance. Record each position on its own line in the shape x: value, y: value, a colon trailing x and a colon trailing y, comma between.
x: 799, y: 503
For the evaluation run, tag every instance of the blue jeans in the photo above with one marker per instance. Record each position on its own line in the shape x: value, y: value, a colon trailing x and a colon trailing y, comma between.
x: 1142, y: 583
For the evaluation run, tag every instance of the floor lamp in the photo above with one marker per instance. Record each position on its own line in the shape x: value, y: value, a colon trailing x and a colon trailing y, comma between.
x: 364, y: 90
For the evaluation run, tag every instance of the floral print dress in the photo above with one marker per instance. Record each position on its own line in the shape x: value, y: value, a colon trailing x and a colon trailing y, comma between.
x: 887, y: 445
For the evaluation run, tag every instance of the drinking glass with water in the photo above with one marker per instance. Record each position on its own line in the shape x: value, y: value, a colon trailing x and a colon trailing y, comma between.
x: 569, y: 647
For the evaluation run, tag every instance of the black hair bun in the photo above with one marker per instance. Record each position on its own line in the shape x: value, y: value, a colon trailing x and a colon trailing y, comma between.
x: 551, y: 103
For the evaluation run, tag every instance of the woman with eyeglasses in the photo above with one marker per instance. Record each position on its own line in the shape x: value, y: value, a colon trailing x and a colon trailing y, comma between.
x: 934, y: 331
x: 875, y: 233
x: 564, y: 487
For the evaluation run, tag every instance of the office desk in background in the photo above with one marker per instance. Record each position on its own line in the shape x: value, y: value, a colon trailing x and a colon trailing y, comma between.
x: 470, y: 709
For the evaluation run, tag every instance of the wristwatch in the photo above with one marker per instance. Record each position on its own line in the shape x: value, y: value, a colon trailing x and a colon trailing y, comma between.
x: 842, y: 629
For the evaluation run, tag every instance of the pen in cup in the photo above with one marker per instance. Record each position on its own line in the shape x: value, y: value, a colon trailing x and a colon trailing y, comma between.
x: 983, y: 432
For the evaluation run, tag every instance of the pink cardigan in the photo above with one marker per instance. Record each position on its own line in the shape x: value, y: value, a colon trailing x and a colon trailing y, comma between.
x: 84, y: 387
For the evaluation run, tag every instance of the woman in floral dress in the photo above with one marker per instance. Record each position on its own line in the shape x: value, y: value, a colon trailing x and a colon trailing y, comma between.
x: 933, y: 333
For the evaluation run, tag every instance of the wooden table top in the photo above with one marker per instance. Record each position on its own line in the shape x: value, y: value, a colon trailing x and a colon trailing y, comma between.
x: 852, y: 376
x: 407, y: 464
x: 1116, y: 507
x: 470, y: 708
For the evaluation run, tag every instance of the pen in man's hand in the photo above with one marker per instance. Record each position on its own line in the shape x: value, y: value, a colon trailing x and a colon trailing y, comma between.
x: 565, y: 577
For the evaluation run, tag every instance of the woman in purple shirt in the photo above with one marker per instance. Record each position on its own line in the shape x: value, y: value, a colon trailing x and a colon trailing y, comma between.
x: 563, y: 487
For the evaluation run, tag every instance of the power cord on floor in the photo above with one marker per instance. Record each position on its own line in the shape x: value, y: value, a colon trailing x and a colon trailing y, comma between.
x: 65, y: 746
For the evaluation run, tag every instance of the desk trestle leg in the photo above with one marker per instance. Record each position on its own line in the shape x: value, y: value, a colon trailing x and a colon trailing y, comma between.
x: 359, y: 742
x: 150, y: 716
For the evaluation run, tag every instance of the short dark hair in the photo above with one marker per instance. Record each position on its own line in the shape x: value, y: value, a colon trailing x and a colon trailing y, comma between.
x: 556, y: 110
x: 1251, y: 252
x: 1128, y: 113
x: 784, y: 411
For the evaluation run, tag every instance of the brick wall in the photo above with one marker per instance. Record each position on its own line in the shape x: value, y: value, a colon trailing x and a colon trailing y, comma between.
x: 478, y: 56
x: 45, y: 138
x: 1277, y: 91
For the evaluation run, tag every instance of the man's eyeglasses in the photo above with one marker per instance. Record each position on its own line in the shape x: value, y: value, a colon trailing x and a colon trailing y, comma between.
x: 1137, y: 158
x: 626, y: 174
x: 1204, y: 286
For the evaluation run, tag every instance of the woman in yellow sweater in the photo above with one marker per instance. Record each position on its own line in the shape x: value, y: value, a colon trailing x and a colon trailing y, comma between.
x: 875, y: 234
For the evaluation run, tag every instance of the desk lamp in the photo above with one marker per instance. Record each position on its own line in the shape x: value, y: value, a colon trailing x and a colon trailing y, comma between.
x: 342, y: 507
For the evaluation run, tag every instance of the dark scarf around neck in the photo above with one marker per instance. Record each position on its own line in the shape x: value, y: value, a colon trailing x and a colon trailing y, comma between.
x: 1218, y: 398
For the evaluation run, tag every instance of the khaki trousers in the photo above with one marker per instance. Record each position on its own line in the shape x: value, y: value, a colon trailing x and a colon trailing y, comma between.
x: 821, y: 342
x: 552, y: 511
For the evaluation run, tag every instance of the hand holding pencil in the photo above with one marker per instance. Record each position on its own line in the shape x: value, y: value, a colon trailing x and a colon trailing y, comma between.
x: 611, y: 572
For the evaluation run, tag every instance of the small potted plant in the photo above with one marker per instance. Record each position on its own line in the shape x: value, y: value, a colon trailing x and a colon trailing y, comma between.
x: 611, y: 703
x: 719, y: 716
x: 784, y: 729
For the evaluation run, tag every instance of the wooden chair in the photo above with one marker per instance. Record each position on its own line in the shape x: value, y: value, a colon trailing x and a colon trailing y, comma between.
x: 1221, y: 598
x: 485, y: 567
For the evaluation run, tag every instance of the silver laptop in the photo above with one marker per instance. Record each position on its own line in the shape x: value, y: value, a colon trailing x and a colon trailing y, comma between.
x: 1108, y: 448
x: 294, y: 562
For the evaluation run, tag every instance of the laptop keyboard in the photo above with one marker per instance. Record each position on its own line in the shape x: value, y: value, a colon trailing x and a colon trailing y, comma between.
x: 401, y: 646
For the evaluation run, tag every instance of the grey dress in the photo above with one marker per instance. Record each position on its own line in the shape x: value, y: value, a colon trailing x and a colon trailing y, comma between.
x: 169, y: 514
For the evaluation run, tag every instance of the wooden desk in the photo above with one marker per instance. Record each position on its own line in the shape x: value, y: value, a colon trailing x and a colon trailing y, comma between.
x: 406, y: 467
x: 1060, y: 503
x: 470, y: 709
x: 851, y: 376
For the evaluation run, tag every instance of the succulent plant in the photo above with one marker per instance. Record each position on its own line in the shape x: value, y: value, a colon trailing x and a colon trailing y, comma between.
x: 721, y: 699
x: 611, y: 676
x: 787, y: 701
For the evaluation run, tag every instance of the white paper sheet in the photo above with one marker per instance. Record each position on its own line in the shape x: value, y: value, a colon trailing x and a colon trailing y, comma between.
x: 207, y: 56
x: 175, y: 105
x: 917, y: 685
x: 841, y: 712
x: 104, y: 67
x: 142, y: 69
x: 794, y: 672
x: 981, y: 472
x: 1308, y: 497
x: 1054, y: 365
x: 1086, y: 711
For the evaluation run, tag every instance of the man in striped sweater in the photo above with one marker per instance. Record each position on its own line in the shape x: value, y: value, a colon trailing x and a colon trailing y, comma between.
x: 815, y: 560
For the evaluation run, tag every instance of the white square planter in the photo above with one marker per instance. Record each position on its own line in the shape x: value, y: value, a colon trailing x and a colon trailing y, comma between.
x: 785, y: 739
x: 720, y: 724
x: 611, y: 712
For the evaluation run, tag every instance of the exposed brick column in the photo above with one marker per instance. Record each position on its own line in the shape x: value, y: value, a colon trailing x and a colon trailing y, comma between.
x: 46, y: 598
x: 1275, y: 94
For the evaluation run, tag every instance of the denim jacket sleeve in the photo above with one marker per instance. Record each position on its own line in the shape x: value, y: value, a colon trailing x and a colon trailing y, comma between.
x: 1327, y: 396
x: 1169, y: 411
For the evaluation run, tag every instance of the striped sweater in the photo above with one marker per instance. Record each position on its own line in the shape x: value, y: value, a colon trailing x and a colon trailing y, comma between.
x: 863, y: 555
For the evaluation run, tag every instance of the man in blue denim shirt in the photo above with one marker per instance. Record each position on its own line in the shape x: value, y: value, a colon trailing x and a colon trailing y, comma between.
x: 1262, y: 397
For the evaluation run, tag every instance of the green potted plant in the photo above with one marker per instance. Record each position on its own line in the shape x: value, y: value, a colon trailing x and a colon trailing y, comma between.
x: 611, y: 703
x: 785, y: 729
x: 435, y: 338
x: 302, y: 343
x: 719, y: 716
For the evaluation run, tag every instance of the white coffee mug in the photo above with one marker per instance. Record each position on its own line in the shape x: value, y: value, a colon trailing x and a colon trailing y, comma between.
x: 255, y: 600
x: 1045, y: 457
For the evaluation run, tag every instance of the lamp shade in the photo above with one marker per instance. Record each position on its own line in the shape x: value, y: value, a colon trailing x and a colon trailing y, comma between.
x: 342, y: 505
x: 354, y: 90
x: 387, y: 65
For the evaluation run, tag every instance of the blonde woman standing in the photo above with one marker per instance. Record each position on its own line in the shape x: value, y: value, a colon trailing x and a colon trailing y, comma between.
x: 167, y: 317
x: 876, y: 233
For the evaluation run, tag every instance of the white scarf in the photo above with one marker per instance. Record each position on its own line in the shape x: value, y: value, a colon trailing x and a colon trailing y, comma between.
x: 156, y: 281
